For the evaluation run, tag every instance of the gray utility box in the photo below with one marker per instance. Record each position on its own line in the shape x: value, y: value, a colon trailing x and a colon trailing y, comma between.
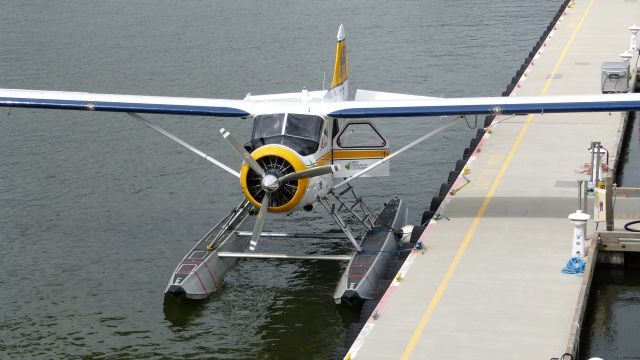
x: 615, y: 77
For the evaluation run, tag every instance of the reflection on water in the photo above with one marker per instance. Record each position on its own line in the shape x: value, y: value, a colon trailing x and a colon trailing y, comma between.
x: 178, y: 311
x: 611, y: 329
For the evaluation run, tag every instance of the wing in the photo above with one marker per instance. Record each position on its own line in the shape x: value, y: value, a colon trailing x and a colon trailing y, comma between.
x: 480, y: 105
x: 367, y: 105
x: 123, y: 103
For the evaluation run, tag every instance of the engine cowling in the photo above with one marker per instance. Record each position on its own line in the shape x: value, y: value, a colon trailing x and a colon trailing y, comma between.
x: 278, y: 161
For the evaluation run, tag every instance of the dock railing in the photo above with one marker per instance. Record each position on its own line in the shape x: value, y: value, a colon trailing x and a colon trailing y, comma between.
x: 618, y: 241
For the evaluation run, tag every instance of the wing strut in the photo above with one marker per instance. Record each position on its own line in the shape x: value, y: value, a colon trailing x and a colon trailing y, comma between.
x: 185, y: 144
x: 400, y: 151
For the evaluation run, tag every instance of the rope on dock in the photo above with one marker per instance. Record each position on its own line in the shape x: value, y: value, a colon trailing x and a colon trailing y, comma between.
x: 575, y: 265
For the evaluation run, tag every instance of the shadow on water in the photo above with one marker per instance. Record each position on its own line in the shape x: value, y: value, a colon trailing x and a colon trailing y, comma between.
x: 611, y: 325
x: 178, y: 311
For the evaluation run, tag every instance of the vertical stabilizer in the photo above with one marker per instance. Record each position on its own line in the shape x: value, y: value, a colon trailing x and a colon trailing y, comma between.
x: 339, y: 88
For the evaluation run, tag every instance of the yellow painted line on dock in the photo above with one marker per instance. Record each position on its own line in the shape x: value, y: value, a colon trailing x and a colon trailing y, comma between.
x: 413, y: 341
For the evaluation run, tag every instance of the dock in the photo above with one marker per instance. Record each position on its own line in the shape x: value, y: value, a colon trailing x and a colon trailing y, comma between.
x: 488, y: 282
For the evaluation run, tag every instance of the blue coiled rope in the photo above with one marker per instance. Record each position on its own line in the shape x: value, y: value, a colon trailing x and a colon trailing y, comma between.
x: 575, y: 265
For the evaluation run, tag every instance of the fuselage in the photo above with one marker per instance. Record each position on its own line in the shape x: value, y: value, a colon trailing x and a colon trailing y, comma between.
x: 285, y: 143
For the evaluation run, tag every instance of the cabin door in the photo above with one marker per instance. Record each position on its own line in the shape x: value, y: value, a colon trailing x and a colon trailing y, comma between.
x: 357, y: 145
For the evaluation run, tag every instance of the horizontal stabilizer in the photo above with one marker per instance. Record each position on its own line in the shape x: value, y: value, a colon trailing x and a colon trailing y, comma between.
x: 293, y: 97
x: 367, y: 95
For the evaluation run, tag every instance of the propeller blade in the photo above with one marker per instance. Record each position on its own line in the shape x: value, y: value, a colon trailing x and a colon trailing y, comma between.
x: 316, y: 171
x: 257, y: 227
x: 242, y: 152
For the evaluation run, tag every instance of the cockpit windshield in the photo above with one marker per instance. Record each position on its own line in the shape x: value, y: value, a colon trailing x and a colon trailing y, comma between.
x: 267, y: 125
x: 304, y: 126
x: 298, y: 131
x: 298, y: 125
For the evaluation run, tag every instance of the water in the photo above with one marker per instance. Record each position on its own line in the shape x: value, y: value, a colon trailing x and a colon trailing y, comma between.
x: 610, y: 329
x: 629, y: 176
x: 96, y: 209
x: 611, y: 323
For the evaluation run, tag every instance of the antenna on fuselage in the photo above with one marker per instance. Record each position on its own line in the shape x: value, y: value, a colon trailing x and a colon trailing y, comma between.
x: 324, y: 79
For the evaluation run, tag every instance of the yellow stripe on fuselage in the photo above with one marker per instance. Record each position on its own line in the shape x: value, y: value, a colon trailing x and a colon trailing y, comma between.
x: 351, y: 155
x: 359, y: 154
x: 324, y: 159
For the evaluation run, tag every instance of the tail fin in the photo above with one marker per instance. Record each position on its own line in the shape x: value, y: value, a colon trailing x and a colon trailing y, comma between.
x: 339, y: 88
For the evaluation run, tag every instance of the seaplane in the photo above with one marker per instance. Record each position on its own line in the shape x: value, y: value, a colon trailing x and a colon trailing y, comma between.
x: 305, y: 150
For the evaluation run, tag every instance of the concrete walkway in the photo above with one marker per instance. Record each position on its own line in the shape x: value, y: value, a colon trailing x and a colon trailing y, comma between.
x: 488, y: 285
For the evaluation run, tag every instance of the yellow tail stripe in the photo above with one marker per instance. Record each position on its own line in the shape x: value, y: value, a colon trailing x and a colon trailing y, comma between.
x: 341, y: 68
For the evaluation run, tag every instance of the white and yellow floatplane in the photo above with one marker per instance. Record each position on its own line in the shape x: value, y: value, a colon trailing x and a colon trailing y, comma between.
x: 305, y: 149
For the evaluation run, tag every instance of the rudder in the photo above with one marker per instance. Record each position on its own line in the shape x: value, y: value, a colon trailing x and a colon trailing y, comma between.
x: 339, y: 88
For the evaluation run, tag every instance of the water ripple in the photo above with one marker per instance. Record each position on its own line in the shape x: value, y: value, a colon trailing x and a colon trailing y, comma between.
x: 95, y: 209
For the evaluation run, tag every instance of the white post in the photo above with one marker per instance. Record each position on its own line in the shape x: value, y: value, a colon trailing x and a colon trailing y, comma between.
x: 579, y: 221
x: 633, y: 44
x: 626, y: 56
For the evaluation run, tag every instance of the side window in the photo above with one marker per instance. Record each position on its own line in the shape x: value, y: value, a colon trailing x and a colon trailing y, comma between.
x: 360, y: 135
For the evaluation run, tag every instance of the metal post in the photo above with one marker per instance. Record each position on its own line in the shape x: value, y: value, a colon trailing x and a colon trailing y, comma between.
x: 609, y: 202
x: 584, y: 196
x: 599, y: 162
x: 596, y: 165
x: 595, y: 145
x: 580, y: 182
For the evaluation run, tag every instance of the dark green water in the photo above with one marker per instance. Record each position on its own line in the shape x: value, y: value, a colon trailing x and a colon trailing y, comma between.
x: 96, y: 209
x: 629, y: 175
x: 611, y: 324
x: 612, y: 321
